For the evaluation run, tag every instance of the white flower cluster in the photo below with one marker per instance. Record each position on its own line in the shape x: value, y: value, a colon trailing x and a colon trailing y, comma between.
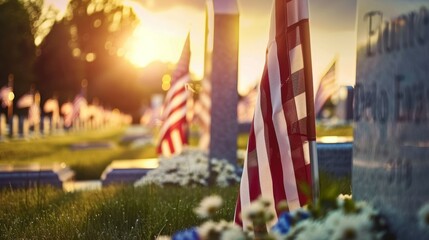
x: 190, y: 168
x: 338, y: 224
x: 208, y: 206
x: 222, y: 230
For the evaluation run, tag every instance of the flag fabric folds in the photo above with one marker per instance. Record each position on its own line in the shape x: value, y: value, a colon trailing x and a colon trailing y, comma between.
x: 278, y: 160
x: 327, y: 88
x: 25, y: 101
x: 173, y: 132
x: 78, y: 106
x: 202, y: 114
x: 67, y: 109
x: 4, y: 96
x: 246, y: 106
x: 34, y: 114
x: 51, y: 105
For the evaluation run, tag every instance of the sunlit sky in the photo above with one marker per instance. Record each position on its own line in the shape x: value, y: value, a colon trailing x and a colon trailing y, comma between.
x: 164, y: 25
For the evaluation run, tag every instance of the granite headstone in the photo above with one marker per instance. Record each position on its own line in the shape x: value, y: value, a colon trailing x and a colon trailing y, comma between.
x: 391, y: 111
x: 224, y: 75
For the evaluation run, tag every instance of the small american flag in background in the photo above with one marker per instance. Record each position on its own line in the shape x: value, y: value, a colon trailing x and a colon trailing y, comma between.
x: 79, y: 103
x: 34, y: 114
x: 173, y: 132
x: 51, y: 105
x: 327, y: 88
x: 278, y: 159
x: 25, y: 101
x: 4, y: 96
x: 203, y: 110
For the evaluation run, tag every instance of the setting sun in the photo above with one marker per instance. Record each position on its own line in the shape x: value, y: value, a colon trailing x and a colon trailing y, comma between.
x: 164, y: 25
x: 160, y: 36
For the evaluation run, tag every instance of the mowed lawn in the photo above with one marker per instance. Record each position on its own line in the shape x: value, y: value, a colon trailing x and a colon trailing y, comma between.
x: 115, y: 212
x: 87, y: 163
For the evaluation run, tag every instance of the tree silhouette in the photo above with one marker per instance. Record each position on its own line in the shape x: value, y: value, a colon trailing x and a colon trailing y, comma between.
x: 87, y: 44
x: 17, y: 48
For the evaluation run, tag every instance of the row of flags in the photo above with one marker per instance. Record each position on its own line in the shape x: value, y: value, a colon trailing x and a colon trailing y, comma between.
x: 71, y: 111
x: 283, y: 127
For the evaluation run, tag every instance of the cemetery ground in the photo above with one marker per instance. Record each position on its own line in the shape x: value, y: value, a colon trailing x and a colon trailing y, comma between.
x: 113, y: 212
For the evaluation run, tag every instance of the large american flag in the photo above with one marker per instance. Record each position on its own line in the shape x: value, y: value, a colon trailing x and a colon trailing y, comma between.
x: 278, y: 160
x: 327, y: 88
x: 173, y: 132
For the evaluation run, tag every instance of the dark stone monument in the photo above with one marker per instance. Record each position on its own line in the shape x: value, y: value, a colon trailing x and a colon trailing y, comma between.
x: 391, y: 111
x: 127, y: 171
x: 34, y: 175
x: 344, y: 108
x: 224, y: 75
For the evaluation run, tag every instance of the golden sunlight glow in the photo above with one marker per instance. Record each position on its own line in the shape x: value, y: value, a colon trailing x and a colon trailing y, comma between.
x: 76, y: 52
x: 161, y: 34
x: 90, y: 57
x: 160, y: 37
x: 166, y: 82
x: 11, y: 96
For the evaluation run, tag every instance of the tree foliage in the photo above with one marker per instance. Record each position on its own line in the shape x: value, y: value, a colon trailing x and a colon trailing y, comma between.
x: 88, y: 44
x: 17, y: 48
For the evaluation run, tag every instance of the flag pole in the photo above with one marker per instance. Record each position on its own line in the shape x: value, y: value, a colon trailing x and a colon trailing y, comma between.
x: 10, y: 107
x: 311, y: 117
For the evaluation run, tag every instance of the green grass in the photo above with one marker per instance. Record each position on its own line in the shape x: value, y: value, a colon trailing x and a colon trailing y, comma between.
x: 116, y: 212
x: 87, y: 164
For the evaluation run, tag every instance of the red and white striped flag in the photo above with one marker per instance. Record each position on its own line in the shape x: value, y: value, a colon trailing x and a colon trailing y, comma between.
x: 34, y: 114
x: 327, y: 88
x: 25, y: 101
x: 79, y: 103
x: 278, y: 160
x: 4, y: 96
x: 51, y: 105
x: 66, y: 109
x: 173, y: 132
x: 202, y: 114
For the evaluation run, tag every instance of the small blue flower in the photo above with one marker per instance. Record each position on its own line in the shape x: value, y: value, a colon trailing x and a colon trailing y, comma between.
x: 283, y: 224
x: 301, y: 215
x: 189, y: 234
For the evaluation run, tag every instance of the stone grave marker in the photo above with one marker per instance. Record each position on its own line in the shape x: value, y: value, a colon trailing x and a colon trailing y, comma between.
x: 32, y: 175
x: 46, y: 125
x: 14, y: 126
x: 224, y: 74
x: 25, y: 128
x: 127, y: 171
x: 391, y: 111
x: 60, y: 125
